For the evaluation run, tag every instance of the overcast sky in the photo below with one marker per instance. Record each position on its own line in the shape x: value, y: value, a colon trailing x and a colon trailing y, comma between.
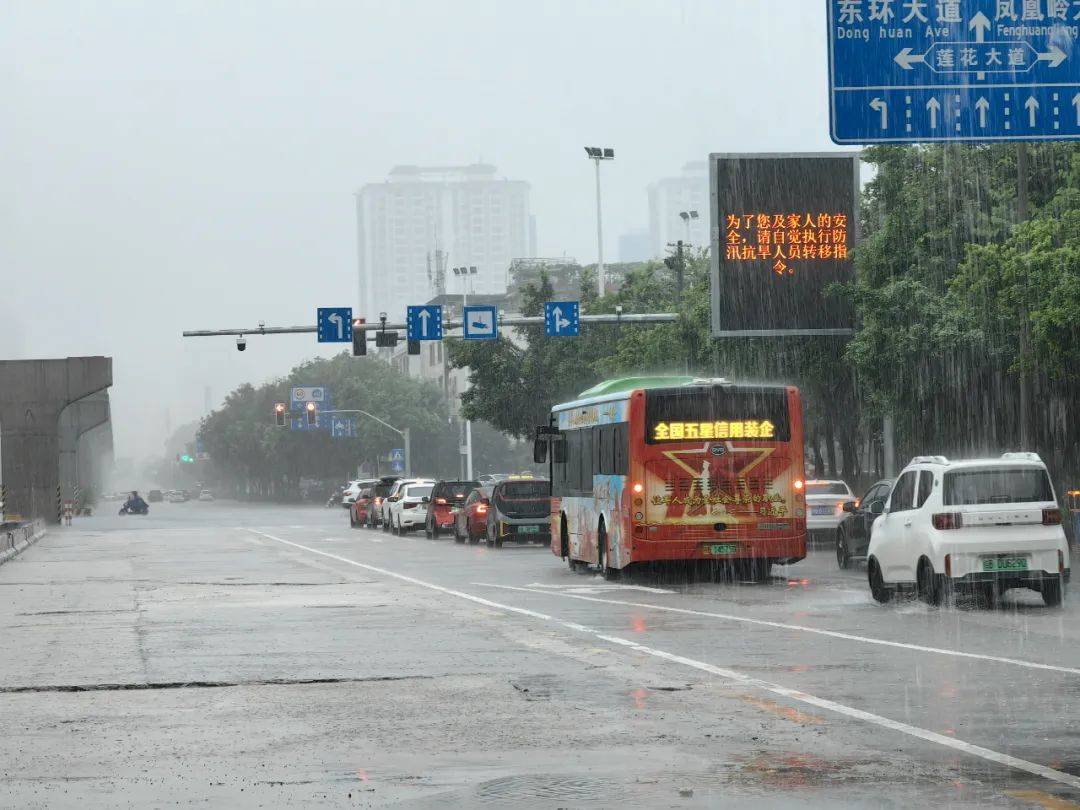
x: 171, y: 165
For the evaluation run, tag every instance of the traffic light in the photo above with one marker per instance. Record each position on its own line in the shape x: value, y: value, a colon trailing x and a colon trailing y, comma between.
x: 279, y: 414
x: 359, y: 338
x: 186, y: 459
x: 312, y: 415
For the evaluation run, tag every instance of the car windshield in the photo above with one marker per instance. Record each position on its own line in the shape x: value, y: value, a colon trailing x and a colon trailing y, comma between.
x: 456, y: 490
x: 826, y: 488
x: 513, y: 490
x: 997, y: 486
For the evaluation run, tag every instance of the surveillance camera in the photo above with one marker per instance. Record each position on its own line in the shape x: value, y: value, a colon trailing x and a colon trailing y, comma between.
x: 241, y: 343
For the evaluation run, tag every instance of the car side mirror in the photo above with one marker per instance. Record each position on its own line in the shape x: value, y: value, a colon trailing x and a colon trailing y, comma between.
x: 877, y: 508
x: 540, y: 450
x: 425, y: 499
x: 850, y: 506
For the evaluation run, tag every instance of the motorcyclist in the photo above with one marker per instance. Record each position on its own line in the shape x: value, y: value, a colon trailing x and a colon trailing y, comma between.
x: 135, y: 504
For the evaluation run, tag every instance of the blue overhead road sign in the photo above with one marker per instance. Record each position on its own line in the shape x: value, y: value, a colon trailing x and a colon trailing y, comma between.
x: 905, y: 71
x: 335, y: 324
x: 342, y: 427
x: 425, y: 323
x: 562, y: 319
x: 480, y: 323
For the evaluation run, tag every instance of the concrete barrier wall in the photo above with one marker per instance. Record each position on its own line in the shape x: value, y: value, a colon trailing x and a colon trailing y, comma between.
x: 17, y: 537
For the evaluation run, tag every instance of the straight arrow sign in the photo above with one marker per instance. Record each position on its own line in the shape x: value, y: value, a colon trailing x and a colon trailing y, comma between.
x: 934, y: 106
x: 424, y: 317
x: 1032, y: 106
x: 1076, y: 103
x: 982, y: 105
x: 980, y: 24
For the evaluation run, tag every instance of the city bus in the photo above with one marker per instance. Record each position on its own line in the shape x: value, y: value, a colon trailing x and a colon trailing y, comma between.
x: 655, y: 469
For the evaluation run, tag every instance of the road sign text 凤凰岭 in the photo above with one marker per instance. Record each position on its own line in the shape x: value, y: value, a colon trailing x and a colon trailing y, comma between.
x: 969, y: 70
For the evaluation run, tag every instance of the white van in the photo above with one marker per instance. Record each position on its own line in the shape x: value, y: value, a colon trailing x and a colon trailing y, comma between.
x: 983, y: 525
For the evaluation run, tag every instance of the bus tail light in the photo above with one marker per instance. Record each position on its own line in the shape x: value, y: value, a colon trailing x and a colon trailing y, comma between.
x: 948, y: 565
x: 948, y: 520
x: 638, y: 488
x: 798, y: 485
x: 1051, y: 517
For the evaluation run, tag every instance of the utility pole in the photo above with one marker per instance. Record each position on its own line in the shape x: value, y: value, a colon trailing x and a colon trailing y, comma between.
x: 467, y: 274
x: 596, y: 154
x: 1022, y: 205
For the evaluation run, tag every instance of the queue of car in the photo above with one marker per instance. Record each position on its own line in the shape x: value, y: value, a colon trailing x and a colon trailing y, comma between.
x: 940, y: 528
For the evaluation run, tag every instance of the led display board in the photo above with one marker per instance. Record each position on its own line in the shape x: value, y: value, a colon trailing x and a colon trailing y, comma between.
x: 783, y: 230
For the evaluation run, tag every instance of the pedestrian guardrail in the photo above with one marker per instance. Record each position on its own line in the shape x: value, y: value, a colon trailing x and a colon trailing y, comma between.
x: 17, y: 537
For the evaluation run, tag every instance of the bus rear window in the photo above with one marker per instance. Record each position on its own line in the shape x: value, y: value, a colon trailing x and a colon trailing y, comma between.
x: 1002, y: 485
x: 721, y: 412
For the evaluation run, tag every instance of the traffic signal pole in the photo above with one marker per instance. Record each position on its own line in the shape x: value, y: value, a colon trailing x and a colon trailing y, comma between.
x: 403, y: 433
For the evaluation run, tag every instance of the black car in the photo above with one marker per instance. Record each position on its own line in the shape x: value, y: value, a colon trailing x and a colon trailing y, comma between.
x: 853, y: 534
x: 520, y: 510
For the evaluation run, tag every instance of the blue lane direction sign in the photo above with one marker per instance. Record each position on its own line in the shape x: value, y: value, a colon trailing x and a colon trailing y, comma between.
x: 397, y: 459
x: 342, y: 427
x: 425, y: 323
x: 958, y: 70
x: 562, y: 319
x: 335, y: 324
x: 481, y: 323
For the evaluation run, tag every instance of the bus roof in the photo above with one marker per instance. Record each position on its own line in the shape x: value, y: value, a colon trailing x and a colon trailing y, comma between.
x: 627, y: 384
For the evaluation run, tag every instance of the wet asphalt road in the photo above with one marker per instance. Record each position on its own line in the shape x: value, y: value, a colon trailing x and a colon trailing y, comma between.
x: 230, y: 655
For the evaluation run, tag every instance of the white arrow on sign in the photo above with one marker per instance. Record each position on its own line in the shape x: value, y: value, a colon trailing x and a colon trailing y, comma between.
x: 982, y: 105
x: 906, y: 58
x: 335, y: 318
x: 1076, y: 103
x: 980, y: 24
x: 1055, y: 56
x: 1032, y: 106
x: 934, y: 106
x: 424, y: 316
x: 883, y: 108
x: 560, y: 321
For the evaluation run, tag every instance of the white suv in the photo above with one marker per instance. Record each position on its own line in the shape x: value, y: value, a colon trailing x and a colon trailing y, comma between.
x: 408, y: 507
x: 984, y: 525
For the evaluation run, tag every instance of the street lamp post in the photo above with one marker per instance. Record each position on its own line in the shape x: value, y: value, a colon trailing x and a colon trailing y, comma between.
x: 596, y: 154
x: 686, y: 217
x: 466, y: 274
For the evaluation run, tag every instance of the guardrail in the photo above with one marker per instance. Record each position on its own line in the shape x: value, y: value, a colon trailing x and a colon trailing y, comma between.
x: 17, y: 537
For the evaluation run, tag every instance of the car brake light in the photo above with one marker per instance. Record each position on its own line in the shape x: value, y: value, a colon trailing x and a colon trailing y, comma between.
x: 481, y: 509
x: 441, y: 501
x: 948, y: 520
x: 1051, y: 517
x: 948, y: 565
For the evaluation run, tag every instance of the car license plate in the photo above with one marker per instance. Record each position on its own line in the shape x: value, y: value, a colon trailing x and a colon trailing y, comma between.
x: 822, y: 510
x: 722, y: 548
x: 1004, y: 564
x: 528, y: 529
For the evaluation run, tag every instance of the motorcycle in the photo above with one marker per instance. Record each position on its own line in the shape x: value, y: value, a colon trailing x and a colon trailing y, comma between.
x: 135, y: 510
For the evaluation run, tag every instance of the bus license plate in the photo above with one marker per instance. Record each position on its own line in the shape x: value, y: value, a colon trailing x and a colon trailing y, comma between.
x: 722, y: 548
x: 1004, y: 564
x: 528, y: 529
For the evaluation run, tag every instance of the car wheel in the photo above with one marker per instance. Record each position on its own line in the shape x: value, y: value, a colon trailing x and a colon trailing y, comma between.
x: 878, y: 590
x: 435, y: 531
x: 395, y: 529
x: 352, y: 520
x: 607, y: 573
x: 489, y: 538
x: 458, y: 536
x: 427, y: 530
x: 930, y: 586
x: 385, y: 525
x: 1053, y: 591
x: 843, y: 554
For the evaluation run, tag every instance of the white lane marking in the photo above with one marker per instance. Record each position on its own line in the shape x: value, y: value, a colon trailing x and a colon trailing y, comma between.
x: 728, y: 674
x: 799, y: 627
x: 599, y: 587
x: 375, y: 539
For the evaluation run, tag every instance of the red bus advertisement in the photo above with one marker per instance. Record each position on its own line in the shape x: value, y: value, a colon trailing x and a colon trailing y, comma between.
x: 676, y: 468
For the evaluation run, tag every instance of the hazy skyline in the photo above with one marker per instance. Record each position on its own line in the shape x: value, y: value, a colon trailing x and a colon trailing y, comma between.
x: 194, y: 166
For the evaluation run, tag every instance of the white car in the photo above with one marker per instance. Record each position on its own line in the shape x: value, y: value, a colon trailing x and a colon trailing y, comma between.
x: 407, y: 508
x: 206, y: 495
x: 825, y: 505
x: 984, y: 525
